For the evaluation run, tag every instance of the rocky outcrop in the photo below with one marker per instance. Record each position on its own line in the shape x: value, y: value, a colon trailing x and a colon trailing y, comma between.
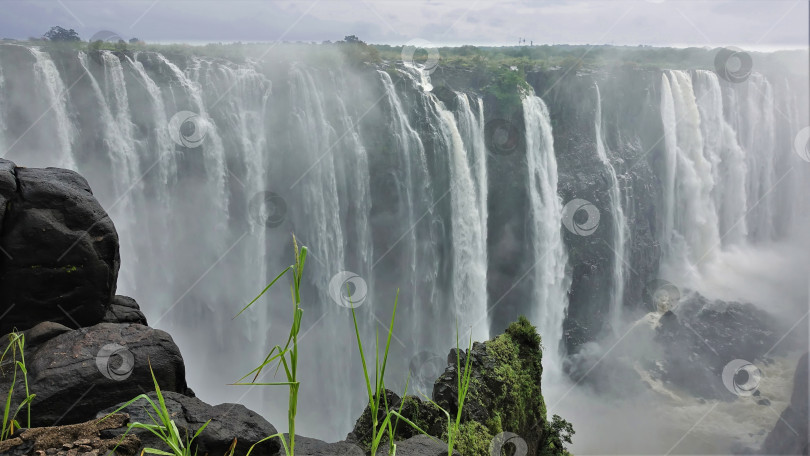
x: 305, y: 446
x: 228, y: 422
x: 420, y: 445
x: 87, y: 350
x: 701, y: 336
x: 76, y: 373
x: 505, y: 396
x: 72, y: 440
x: 124, y: 309
x: 790, y: 435
x: 59, y: 249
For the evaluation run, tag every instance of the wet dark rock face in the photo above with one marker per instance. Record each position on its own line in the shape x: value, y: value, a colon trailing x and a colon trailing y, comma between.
x: 59, y: 249
x: 700, y: 337
x: 86, y: 349
x: 632, y: 136
x: 790, y: 435
x: 228, y: 421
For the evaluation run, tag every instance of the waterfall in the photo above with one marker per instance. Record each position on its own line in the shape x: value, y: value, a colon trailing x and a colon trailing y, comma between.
x: 729, y: 169
x: 721, y: 187
x: 752, y: 117
x: 380, y: 174
x: 468, y: 197
x: 119, y: 140
x: 620, y: 230
x: 550, y: 281
x: 692, y: 222
x: 48, y: 78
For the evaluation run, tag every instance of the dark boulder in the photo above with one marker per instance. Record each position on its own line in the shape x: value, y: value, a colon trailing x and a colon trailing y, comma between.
x: 59, y: 250
x: 42, y: 333
x: 701, y: 336
x: 305, y: 446
x: 8, y: 185
x: 422, y: 413
x: 77, y: 373
x: 420, y: 445
x: 124, y: 309
x: 790, y: 435
x: 228, y: 421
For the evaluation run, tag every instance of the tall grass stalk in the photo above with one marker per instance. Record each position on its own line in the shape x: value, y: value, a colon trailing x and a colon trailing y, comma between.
x: 463, y: 381
x: 464, y: 378
x: 16, y: 344
x: 376, y: 393
x: 286, y: 357
x: 163, y: 427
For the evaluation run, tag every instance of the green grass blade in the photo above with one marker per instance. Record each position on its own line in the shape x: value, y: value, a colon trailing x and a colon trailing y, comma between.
x: 263, y: 291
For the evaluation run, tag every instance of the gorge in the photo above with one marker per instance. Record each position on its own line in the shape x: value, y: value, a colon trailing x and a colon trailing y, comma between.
x: 589, y: 198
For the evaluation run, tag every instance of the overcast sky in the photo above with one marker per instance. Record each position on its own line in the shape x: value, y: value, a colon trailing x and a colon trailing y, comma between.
x: 753, y: 24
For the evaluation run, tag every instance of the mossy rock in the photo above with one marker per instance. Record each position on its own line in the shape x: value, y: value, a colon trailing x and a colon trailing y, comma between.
x: 504, y: 396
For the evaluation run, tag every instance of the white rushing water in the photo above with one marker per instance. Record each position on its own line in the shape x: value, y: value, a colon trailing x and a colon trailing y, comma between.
x: 721, y: 186
x: 691, y: 218
x: 550, y: 281
x: 382, y: 175
x: 51, y: 83
x: 468, y: 220
x: 620, y: 230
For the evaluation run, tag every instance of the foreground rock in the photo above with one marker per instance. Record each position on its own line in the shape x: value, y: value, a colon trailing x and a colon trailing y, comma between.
x: 504, y: 396
x: 59, y: 249
x: 421, y: 445
x: 228, y: 421
x: 305, y: 446
x: 790, y: 435
x: 76, y: 373
x: 124, y: 309
x: 74, y: 439
x: 701, y: 336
